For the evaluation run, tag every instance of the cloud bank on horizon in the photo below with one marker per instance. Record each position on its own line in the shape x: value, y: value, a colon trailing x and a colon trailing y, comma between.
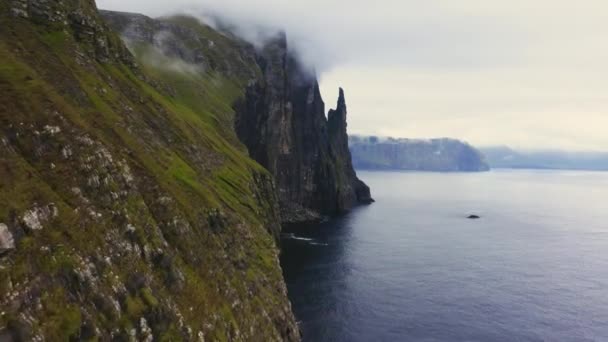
x: 530, y: 74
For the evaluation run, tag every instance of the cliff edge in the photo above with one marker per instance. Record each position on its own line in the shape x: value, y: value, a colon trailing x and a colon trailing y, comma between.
x: 282, y: 122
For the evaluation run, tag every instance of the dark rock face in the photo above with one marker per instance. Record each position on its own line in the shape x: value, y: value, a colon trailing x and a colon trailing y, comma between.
x: 442, y: 155
x: 282, y: 122
x: 339, y: 146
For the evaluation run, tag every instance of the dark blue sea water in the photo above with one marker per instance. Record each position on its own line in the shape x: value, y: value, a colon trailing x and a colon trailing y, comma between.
x: 411, y: 267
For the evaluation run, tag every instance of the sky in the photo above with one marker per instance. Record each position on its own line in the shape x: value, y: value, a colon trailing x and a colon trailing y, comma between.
x: 529, y: 74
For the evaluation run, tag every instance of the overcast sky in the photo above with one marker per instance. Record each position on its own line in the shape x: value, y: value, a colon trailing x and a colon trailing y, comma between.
x: 525, y: 73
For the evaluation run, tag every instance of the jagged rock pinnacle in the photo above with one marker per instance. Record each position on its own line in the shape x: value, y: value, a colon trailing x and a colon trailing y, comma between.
x: 341, y: 100
x: 337, y: 117
x: 284, y: 125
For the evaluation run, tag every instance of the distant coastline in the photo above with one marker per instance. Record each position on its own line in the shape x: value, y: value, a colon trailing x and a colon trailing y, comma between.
x: 504, y: 157
x: 401, y: 154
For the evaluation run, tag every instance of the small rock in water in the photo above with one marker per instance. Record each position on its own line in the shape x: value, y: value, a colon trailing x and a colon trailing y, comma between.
x: 473, y: 217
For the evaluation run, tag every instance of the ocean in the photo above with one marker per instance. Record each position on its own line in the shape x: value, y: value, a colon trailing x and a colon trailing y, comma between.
x: 413, y: 267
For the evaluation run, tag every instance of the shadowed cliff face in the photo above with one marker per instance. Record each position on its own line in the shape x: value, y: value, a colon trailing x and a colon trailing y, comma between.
x: 351, y: 189
x: 282, y: 122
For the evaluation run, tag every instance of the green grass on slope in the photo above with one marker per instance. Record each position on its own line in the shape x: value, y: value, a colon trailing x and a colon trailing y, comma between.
x: 179, y: 142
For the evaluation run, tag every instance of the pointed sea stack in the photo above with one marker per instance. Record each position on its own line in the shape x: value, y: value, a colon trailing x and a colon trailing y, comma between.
x: 357, y: 190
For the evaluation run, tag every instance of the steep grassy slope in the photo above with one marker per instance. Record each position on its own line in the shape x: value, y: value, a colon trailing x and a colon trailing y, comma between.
x: 281, y: 120
x: 127, y: 206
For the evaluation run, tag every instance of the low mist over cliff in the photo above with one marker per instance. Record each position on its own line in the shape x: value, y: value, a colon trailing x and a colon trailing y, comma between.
x: 440, y: 68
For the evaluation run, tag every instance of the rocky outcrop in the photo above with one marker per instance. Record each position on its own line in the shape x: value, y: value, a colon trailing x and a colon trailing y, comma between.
x: 36, y: 217
x: 7, y: 241
x: 81, y: 17
x: 283, y: 124
x: 441, y: 155
x: 354, y: 190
